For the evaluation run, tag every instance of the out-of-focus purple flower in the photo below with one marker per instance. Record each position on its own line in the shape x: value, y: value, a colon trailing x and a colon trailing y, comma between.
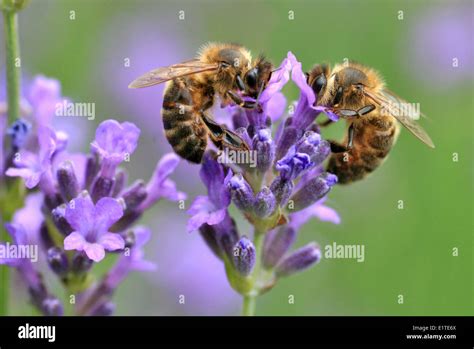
x: 210, y: 209
x: 3, y: 127
x: 44, y: 96
x: 299, y: 260
x: 160, y: 186
x: 131, y: 261
x: 33, y: 166
x: 114, y: 143
x: 439, y: 44
x: 317, y: 210
x: 91, y: 225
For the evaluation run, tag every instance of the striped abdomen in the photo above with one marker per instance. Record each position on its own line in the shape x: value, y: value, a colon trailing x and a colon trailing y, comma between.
x: 182, y: 122
x: 374, y: 136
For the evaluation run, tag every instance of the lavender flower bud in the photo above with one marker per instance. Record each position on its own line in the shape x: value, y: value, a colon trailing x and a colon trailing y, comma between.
x: 102, y: 187
x: 282, y: 189
x: 92, y: 169
x: 60, y: 221
x: 288, y: 137
x: 57, y: 261
x: 135, y: 195
x: 242, y: 194
x: 244, y: 256
x: 105, y: 309
x: 120, y: 182
x: 81, y: 263
x: 67, y: 181
x: 299, y: 260
x: 227, y: 236
x: 276, y: 244
x: 52, y: 306
x: 126, y: 221
x: 313, y: 190
x: 265, y: 203
x: 18, y: 133
x: 263, y: 145
x: 45, y: 236
x: 312, y: 144
x: 209, y: 235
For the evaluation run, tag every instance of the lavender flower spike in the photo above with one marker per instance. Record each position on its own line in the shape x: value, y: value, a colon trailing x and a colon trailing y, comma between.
x: 91, y: 223
x: 299, y: 260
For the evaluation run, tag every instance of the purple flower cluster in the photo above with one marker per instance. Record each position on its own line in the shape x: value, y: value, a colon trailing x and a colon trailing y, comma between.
x: 279, y: 192
x: 84, y: 207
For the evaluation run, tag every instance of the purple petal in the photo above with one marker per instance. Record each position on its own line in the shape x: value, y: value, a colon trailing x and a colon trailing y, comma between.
x: 94, y: 251
x: 275, y: 107
x: 317, y: 210
x: 216, y: 217
x: 74, y: 241
x: 278, y: 79
x: 111, y: 241
x: 107, y: 212
x: 200, y: 204
x: 142, y: 236
x: 44, y: 95
x: 31, y: 177
x: 80, y: 214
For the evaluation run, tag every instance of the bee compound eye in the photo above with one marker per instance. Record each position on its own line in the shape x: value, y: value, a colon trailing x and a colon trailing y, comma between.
x: 319, y: 83
x: 251, y: 78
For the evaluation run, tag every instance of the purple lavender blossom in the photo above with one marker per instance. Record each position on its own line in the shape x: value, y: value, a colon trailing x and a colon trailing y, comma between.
x: 210, y: 209
x: 91, y: 225
x: 114, y: 143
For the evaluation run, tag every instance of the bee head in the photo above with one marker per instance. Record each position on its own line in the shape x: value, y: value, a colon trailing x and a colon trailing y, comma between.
x: 348, y: 84
x: 256, y: 78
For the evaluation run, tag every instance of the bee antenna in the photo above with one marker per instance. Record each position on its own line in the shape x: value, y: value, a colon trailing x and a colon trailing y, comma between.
x: 277, y: 69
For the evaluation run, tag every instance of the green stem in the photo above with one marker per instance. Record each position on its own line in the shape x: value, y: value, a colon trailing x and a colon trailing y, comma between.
x: 10, y: 19
x: 249, y: 304
x: 12, y: 49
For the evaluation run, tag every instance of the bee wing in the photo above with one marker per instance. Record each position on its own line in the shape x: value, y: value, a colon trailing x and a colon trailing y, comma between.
x: 163, y: 74
x: 391, y: 103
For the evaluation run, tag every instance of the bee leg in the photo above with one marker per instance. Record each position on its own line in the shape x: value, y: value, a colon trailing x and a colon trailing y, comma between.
x: 337, y: 147
x: 241, y: 102
x: 350, y: 136
x: 326, y: 123
x: 222, y: 137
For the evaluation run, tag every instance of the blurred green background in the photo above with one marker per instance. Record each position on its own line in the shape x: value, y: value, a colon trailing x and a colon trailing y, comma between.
x: 408, y: 252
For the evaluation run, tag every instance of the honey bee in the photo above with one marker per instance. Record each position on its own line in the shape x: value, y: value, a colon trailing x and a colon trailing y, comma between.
x: 226, y: 71
x: 358, y: 94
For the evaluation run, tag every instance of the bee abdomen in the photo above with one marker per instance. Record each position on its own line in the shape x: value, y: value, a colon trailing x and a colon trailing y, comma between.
x: 370, y: 149
x: 183, y: 126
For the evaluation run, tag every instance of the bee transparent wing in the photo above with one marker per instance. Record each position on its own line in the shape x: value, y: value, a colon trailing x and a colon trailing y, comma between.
x: 163, y: 74
x: 391, y: 104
